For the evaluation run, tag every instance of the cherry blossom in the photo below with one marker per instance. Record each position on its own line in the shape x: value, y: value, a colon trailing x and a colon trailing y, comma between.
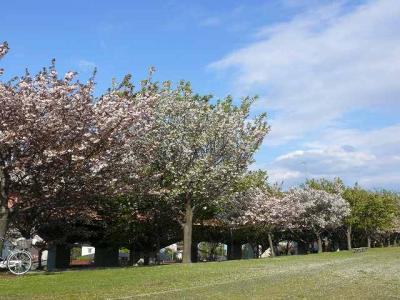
x: 60, y: 146
x: 198, y: 149
x: 317, y: 210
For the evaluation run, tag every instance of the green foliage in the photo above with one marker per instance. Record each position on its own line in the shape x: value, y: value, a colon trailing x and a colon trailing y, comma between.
x: 371, y: 211
x: 210, y: 251
x: 335, y: 186
x: 76, y: 252
x: 124, y: 250
x: 252, y: 179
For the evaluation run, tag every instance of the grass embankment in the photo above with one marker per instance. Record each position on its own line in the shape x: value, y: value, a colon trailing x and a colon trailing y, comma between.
x: 374, y: 274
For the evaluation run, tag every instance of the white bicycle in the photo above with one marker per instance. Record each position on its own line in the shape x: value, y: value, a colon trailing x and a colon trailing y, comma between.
x: 18, y: 261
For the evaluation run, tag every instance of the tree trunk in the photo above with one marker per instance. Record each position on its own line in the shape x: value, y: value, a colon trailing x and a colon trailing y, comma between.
x: 195, y: 252
x: 271, y: 244
x: 319, y: 243
x: 229, y: 250
x: 187, y: 233
x: 389, y: 240
x: 287, y: 247
x: 131, y: 256
x: 157, y: 259
x: 253, y: 249
x: 301, y: 247
x: 40, y: 253
x: 134, y: 256
x: 146, y: 258
x: 257, y: 251
x: 368, y: 241
x: 348, y: 234
x: 4, y: 211
x: 236, y: 250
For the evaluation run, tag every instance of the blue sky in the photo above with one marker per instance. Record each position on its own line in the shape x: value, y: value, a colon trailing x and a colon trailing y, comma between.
x: 327, y: 72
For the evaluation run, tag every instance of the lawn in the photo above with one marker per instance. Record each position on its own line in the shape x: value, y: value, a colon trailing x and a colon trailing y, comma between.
x: 340, y: 275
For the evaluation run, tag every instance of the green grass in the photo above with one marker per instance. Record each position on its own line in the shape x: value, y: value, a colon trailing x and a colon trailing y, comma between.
x: 374, y: 274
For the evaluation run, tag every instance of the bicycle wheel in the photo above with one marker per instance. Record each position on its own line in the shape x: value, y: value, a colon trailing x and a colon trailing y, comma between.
x: 19, y: 262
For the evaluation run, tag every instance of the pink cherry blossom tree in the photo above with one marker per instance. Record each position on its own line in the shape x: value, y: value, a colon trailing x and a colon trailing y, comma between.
x: 264, y: 209
x: 271, y: 213
x: 59, y: 145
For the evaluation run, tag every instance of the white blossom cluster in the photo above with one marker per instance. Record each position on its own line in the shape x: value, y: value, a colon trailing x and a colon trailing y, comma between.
x: 317, y: 209
x: 299, y: 208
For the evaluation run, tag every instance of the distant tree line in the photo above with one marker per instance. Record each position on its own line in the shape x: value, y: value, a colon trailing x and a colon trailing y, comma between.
x: 320, y: 210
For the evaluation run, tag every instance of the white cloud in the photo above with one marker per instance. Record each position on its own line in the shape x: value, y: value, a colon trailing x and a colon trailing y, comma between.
x: 284, y: 175
x: 369, y: 157
x: 320, y: 65
x: 314, y: 71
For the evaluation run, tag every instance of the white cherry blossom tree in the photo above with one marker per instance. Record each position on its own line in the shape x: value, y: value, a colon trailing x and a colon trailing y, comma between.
x: 199, y: 149
x: 262, y: 208
x: 317, y: 210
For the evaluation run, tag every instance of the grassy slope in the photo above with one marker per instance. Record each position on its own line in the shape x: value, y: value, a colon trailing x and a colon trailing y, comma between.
x: 374, y: 274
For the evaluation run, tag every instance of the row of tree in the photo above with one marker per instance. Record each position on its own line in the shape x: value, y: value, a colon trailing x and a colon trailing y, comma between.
x: 138, y: 166
x: 119, y: 167
x: 318, y: 208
